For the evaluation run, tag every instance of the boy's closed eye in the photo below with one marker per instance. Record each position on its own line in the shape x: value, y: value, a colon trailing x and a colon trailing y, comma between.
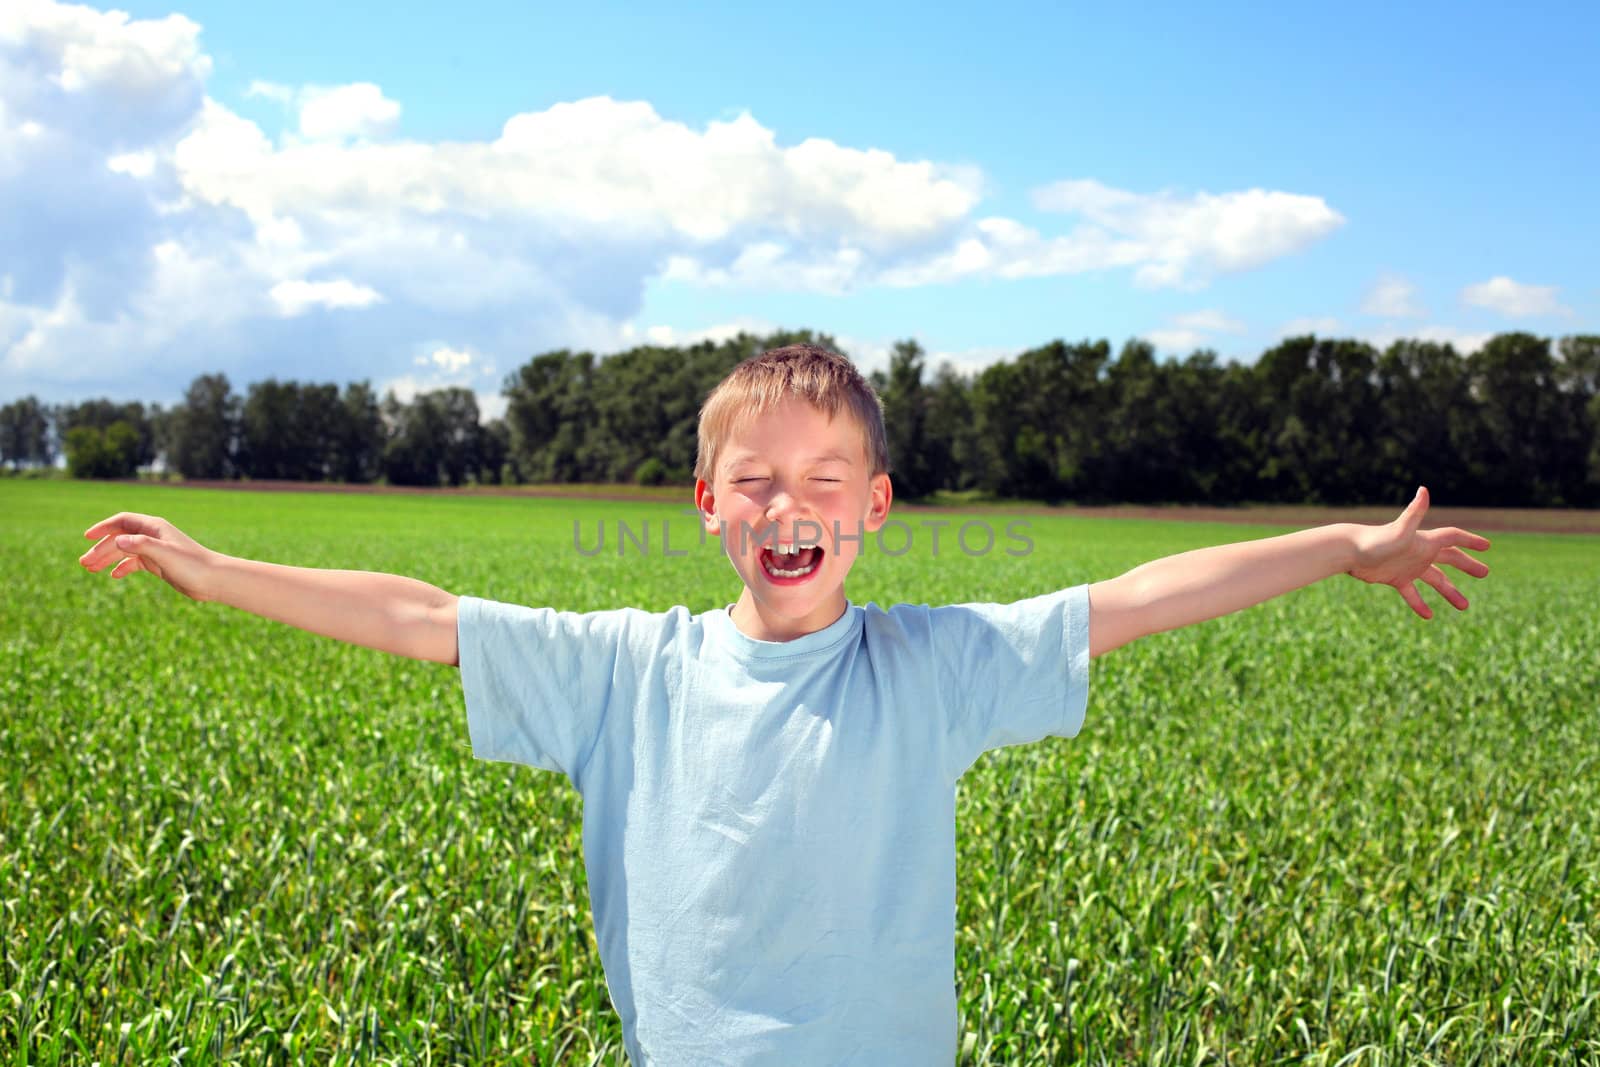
x: 753, y: 479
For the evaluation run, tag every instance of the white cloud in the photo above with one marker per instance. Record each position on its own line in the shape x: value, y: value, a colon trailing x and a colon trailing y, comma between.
x: 1393, y: 297
x: 613, y: 169
x: 1170, y: 240
x: 133, y: 164
x: 1006, y: 248
x: 31, y: 327
x: 283, y: 94
x: 73, y: 67
x: 1175, y: 340
x: 356, y: 110
x: 449, y: 360
x: 86, y: 100
x: 298, y: 297
x: 94, y: 48
x: 1182, y: 240
x: 1194, y: 329
x: 333, y: 112
x: 1513, y: 298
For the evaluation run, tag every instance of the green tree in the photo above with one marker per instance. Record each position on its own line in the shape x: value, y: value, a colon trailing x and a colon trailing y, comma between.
x: 290, y: 430
x: 268, y: 430
x: 1221, y: 439
x: 1578, y: 377
x: 109, y: 453
x: 205, y: 429
x: 1140, y: 456
x: 102, y: 413
x: 494, y: 454
x: 25, y: 433
x: 1529, y: 447
x: 358, y: 437
x: 463, y: 433
x: 635, y: 397
x: 1426, y: 421
x: 905, y: 417
x: 550, y: 411
x: 950, y: 440
x: 1040, y: 418
x: 434, y: 439
x: 1320, y: 403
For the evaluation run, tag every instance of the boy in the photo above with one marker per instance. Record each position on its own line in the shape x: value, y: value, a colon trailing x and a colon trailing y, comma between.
x: 769, y: 789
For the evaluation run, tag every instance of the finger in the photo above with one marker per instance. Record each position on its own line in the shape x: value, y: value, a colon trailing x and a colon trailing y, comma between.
x: 1436, y: 578
x: 124, y: 522
x: 1408, y: 593
x: 104, y: 553
x: 101, y: 554
x: 122, y: 547
x: 1465, y: 538
x: 1411, y: 517
x: 131, y: 565
x: 94, y: 559
x: 1463, y: 562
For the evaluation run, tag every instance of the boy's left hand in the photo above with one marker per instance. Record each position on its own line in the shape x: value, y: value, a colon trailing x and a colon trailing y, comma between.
x: 1401, y: 553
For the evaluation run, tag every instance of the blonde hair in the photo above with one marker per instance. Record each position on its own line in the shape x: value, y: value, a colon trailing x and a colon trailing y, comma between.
x: 825, y: 380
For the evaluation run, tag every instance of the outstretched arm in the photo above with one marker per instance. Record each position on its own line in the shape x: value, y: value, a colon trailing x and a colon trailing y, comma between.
x: 382, y: 611
x: 1194, y: 586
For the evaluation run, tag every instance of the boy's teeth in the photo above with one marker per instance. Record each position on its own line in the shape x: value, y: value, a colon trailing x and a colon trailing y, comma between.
x: 791, y: 552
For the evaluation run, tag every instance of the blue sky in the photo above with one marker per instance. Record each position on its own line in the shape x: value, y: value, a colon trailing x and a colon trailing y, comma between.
x: 335, y: 193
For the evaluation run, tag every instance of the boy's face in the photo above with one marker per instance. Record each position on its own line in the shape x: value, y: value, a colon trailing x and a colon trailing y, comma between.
x: 792, y: 478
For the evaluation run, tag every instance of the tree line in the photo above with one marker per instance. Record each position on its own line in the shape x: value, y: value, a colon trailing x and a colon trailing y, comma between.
x: 1313, y: 420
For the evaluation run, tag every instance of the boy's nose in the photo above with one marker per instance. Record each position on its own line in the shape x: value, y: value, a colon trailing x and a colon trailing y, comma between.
x: 781, y: 506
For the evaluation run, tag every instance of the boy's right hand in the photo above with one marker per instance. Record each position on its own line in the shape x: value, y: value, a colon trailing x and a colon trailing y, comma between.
x: 145, y: 543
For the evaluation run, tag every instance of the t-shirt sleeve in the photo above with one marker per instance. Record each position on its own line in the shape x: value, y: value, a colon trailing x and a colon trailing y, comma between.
x: 1012, y: 673
x: 536, y: 681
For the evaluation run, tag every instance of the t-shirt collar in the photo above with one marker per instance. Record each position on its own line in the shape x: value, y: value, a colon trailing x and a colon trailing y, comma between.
x: 742, y: 645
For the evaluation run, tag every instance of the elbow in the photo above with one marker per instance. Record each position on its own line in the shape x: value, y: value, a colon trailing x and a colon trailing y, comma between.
x: 1118, y: 613
x: 426, y: 630
x: 444, y: 644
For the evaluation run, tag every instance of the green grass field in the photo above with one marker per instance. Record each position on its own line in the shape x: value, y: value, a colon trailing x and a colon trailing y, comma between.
x: 1321, y: 831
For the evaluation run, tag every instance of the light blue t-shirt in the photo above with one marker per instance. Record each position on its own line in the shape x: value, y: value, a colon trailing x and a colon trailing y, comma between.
x: 769, y: 827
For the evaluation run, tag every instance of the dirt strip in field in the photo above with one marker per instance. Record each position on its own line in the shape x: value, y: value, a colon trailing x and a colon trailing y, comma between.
x: 1527, y: 520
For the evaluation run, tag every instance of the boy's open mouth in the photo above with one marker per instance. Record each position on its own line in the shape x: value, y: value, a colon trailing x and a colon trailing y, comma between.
x: 786, y: 566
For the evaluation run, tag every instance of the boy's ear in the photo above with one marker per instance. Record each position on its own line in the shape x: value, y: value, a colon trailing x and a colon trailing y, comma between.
x: 882, y: 493
x: 706, y: 504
